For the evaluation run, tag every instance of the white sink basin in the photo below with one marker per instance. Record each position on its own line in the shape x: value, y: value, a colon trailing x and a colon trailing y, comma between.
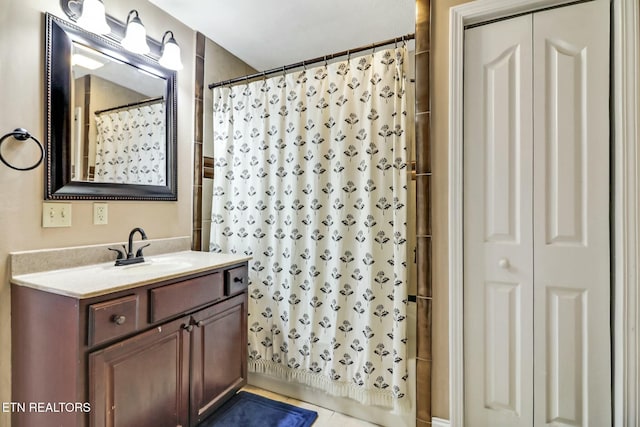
x: 151, y: 266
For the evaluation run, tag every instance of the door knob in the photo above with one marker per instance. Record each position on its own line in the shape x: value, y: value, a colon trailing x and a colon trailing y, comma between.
x: 504, y: 263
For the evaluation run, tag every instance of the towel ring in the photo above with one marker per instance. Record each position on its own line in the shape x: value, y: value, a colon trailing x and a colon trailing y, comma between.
x: 22, y: 135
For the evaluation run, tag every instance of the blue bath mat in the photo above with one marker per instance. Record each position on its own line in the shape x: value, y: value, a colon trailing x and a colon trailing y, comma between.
x: 250, y: 410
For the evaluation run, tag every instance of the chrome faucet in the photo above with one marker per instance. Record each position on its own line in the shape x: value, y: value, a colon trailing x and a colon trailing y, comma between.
x: 131, y: 259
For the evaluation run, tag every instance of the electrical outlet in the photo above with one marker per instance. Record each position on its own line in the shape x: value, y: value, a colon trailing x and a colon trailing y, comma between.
x: 100, y: 214
x: 56, y: 215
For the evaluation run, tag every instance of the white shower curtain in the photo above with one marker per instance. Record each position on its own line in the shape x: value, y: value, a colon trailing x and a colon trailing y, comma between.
x: 310, y: 180
x: 131, y: 146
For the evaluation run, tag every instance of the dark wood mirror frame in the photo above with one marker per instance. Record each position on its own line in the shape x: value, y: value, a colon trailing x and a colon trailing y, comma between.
x: 60, y: 35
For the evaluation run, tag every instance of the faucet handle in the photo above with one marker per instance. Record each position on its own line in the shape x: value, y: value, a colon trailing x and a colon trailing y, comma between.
x: 139, y: 251
x: 120, y: 253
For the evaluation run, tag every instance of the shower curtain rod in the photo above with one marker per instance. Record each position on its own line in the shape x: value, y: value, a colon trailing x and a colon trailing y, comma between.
x: 133, y: 104
x: 312, y: 61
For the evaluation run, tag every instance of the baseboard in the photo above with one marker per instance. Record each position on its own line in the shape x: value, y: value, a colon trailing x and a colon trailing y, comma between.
x: 439, y: 422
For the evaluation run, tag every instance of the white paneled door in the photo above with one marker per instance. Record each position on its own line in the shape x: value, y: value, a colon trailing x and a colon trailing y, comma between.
x: 498, y: 231
x: 536, y: 220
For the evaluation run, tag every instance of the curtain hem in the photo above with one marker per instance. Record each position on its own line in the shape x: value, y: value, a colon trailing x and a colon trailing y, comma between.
x: 382, y: 398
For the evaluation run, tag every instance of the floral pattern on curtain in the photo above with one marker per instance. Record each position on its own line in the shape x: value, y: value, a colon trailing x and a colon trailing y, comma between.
x: 131, y: 147
x: 310, y: 180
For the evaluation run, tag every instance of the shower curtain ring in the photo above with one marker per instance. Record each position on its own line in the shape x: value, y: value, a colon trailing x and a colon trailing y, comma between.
x: 304, y: 66
x: 325, y: 62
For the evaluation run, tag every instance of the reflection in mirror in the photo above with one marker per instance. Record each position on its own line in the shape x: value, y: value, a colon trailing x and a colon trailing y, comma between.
x: 118, y: 131
x: 111, y: 118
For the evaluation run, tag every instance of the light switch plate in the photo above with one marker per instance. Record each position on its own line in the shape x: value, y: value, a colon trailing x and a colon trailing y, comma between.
x: 56, y: 214
x: 100, y: 214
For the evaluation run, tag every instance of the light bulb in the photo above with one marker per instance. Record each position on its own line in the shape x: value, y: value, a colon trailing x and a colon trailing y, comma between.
x: 135, y: 38
x: 170, y: 53
x: 93, y: 17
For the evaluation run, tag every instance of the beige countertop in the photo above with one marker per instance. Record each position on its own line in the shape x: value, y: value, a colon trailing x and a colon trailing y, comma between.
x: 103, y: 278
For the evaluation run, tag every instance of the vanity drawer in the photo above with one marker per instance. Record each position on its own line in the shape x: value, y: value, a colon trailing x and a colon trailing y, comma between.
x: 235, y: 280
x: 112, y: 319
x: 170, y: 300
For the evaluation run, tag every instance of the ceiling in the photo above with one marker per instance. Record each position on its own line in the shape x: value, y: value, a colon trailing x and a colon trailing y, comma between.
x: 271, y: 33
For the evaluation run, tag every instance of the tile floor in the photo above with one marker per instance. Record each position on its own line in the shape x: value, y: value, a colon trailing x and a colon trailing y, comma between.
x: 326, y: 417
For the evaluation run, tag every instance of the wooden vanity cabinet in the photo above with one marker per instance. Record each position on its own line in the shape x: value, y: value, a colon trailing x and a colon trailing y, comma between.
x: 164, y: 354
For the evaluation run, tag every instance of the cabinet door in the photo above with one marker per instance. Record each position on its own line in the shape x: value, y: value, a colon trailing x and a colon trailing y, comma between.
x: 219, y: 360
x: 142, y: 381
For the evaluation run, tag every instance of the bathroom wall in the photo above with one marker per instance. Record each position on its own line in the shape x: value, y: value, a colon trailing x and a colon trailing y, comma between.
x: 21, y: 193
x: 440, y: 213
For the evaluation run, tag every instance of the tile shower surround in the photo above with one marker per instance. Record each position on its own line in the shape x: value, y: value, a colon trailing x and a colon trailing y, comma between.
x: 423, y: 213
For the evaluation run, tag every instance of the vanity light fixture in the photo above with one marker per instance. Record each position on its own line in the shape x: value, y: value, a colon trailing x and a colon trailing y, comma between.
x: 93, y: 17
x: 170, y: 57
x: 135, y: 38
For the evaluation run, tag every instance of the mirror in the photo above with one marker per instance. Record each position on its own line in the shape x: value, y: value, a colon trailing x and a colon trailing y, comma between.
x: 111, y: 119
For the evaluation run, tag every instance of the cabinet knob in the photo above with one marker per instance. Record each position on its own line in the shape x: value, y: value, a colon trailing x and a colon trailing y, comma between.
x: 200, y: 324
x: 504, y: 263
x: 238, y: 279
x: 119, y: 319
x: 187, y: 328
